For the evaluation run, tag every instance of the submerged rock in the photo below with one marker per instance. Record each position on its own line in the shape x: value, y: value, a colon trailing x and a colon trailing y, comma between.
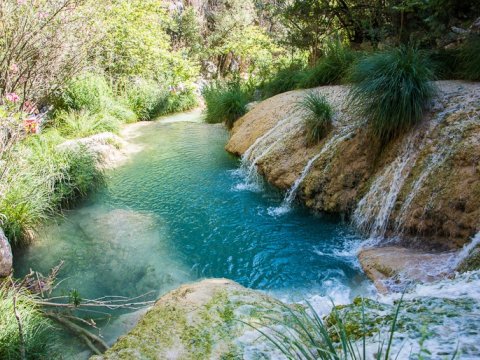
x: 109, y: 149
x: 6, y: 258
x: 204, y: 320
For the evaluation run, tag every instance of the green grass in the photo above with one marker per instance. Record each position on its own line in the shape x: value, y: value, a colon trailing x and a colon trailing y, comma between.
x: 78, y: 124
x: 470, y: 59
x: 332, y: 68
x: 37, y: 330
x: 392, y: 89
x: 225, y: 103
x: 303, y: 334
x: 284, y: 80
x: 318, y: 119
x: 44, y: 180
x: 146, y: 98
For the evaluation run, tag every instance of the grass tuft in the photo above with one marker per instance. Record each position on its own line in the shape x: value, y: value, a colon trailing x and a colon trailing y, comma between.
x: 37, y: 330
x: 318, y: 118
x: 392, y: 89
x: 225, y: 103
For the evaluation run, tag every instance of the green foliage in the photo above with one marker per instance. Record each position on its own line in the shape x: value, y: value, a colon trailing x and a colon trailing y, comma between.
x: 470, y: 58
x: 392, y: 89
x: 331, y: 68
x: 225, y: 103
x: 179, y: 101
x: 318, y: 119
x: 45, y: 179
x: 37, y: 330
x: 136, y: 43
x: 78, y: 124
x: 284, y: 80
x: 146, y: 98
x: 87, y: 92
x: 445, y: 63
x: 304, y: 335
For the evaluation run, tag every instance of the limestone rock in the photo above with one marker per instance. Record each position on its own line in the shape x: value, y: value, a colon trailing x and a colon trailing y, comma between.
x: 441, y: 188
x: 109, y: 149
x: 393, y: 266
x: 6, y: 258
x: 198, y: 321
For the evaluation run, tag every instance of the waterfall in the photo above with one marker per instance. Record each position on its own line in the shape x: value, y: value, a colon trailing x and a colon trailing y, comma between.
x: 263, y: 146
x: 467, y: 249
x: 374, y: 209
x: 291, y: 194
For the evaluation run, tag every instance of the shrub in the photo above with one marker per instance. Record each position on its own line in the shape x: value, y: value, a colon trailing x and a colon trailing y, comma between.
x: 318, y: 118
x: 77, y: 124
x: 89, y: 92
x: 225, y: 103
x: 178, y: 102
x: 470, y: 59
x: 37, y: 330
x: 332, y: 68
x: 392, y: 89
x: 285, y: 79
x: 146, y: 99
x: 445, y: 63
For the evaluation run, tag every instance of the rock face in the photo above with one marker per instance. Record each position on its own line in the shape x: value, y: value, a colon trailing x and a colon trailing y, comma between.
x: 392, y: 266
x: 198, y: 321
x: 423, y: 187
x: 6, y: 258
x: 109, y: 149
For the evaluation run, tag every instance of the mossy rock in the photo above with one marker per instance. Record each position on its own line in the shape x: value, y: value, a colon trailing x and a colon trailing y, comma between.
x: 472, y: 262
x: 205, y: 320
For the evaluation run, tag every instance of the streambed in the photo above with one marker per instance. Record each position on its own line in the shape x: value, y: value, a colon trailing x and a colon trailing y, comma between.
x: 174, y: 213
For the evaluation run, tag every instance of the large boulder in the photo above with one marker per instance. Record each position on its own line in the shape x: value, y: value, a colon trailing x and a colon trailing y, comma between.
x: 205, y: 320
x: 6, y: 258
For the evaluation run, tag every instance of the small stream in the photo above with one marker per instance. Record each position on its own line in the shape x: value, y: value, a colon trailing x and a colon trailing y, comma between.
x: 174, y: 213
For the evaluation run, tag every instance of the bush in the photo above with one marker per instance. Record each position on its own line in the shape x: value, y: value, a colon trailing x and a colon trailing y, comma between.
x: 45, y: 179
x: 318, y: 118
x: 37, y: 330
x: 225, y: 103
x: 284, y: 80
x: 470, y: 59
x: 445, y: 63
x: 146, y: 99
x: 177, y: 102
x: 89, y: 92
x: 392, y: 89
x: 332, y: 68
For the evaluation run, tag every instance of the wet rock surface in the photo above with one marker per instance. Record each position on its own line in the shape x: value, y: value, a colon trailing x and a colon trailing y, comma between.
x: 6, y: 258
x: 436, y: 203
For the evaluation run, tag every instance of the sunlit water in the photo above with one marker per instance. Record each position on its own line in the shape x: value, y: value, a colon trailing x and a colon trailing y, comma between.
x: 174, y: 214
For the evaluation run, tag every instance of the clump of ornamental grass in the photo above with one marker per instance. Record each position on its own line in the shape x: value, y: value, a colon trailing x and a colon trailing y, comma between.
x: 392, y: 89
x: 332, y: 68
x: 225, y: 103
x: 470, y: 58
x: 318, y: 116
x: 36, y: 329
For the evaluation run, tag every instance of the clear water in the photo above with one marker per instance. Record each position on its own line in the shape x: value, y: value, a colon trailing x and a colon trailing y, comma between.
x: 173, y: 214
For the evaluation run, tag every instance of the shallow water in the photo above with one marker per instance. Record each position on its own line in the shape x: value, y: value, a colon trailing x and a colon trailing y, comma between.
x: 174, y: 213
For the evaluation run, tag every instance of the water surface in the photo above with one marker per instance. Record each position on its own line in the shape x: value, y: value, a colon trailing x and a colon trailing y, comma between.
x: 174, y: 214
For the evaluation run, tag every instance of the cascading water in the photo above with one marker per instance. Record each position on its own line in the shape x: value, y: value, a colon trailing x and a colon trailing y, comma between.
x: 326, y: 149
x: 463, y: 254
x: 261, y: 147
